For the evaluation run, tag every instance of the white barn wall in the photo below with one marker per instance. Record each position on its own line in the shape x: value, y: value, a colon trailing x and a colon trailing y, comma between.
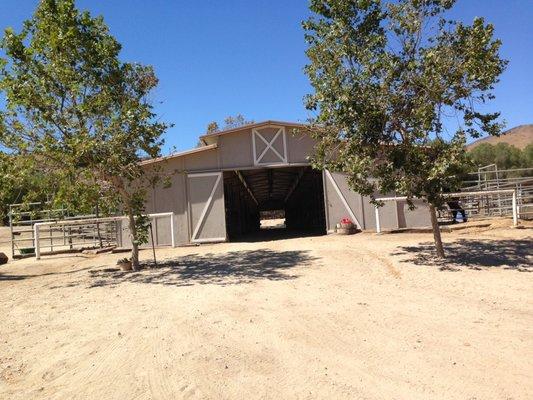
x: 235, y: 150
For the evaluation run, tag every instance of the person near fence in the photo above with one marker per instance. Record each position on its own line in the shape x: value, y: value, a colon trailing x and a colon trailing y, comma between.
x: 456, y: 208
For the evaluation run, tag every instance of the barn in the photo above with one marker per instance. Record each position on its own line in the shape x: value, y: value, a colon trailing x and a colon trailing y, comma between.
x: 218, y: 190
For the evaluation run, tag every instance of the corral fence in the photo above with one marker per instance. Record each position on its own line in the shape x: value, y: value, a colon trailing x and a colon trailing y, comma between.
x: 487, y: 193
x: 37, y: 230
x: 119, y: 222
x: 70, y: 237
x: 482, y: 200
x: 490, y: 178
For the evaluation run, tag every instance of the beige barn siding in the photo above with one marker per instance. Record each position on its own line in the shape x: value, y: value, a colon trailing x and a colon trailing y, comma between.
x: 161, y: 231
x: 396, y: 215
x: 235, y: 150
x: 419, y: 217
x: 369, y: 211
x: 162, y: 199
x: 174, y: 198
x: 206, y: 160
x: 335, y: 208
x: 393, y: 215
x: 299, y: 145
x: 388, y: 216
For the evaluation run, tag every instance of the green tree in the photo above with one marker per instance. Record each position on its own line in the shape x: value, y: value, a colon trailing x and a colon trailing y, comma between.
x: 20, y: 182
x: 503, y: 155
x: 507, y: 156
x: 231, y: 122
x: 527, y: 156
x: 212, y: 127
x: 384, y: 75
x: 483, y: 155
x: 77, y: 109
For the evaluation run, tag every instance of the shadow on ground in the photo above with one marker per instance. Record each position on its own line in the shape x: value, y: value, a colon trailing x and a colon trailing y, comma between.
x: 6, y: 277
x: 474, y: 254
x: 272, y: 234
x: 222, y: 269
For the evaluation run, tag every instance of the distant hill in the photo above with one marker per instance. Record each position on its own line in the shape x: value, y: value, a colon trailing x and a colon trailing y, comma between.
x: 519, y: 137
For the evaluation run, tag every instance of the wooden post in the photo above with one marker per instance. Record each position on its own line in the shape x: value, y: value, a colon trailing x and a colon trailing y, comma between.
x: 153, y: 246
x: 11, y: 231
x: 378, y: 222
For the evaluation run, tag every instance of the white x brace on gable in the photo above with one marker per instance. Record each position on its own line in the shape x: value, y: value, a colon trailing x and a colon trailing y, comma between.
x: 280, y: 135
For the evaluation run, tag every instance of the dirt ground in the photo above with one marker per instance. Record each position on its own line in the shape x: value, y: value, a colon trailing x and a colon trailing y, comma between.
x: 333, y: 317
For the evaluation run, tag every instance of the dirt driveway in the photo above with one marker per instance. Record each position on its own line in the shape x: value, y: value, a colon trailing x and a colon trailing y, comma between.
x: 358, y: 317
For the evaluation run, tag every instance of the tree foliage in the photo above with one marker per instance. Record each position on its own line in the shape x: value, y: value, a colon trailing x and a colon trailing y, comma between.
x: 78, y: 110
x: 20, y: 181
x: 212, y: 127
x: 385, y: 77
x: 230, y: 122
x: 503, y: 155
x: 234, y: 121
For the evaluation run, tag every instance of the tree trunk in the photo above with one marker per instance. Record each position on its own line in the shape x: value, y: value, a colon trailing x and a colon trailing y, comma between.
x: 436, y: 231
x: 133, y: 237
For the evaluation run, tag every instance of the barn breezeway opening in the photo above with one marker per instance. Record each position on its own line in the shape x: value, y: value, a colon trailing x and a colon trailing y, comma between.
x: 274, y: 219
x: 252, y: 195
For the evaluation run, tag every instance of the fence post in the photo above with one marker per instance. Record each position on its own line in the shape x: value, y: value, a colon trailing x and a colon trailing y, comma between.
x: 515, y: 216
x: 378, y: 222
x: 172, y: 235
x: 11, y: 231
x: 518, y: 190
x: 36, y: 241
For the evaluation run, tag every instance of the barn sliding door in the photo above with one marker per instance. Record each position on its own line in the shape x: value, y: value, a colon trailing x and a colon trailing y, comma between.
x: 206, y: 207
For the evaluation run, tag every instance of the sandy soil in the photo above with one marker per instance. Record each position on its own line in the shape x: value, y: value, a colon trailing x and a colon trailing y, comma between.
x: 338, y: 317
x: 275, y: 223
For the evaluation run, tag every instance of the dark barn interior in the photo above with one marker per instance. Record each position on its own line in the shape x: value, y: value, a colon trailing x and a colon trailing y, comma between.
x: 296, y: 190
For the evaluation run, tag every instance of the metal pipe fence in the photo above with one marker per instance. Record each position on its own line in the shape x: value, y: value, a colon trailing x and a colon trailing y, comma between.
x: 491, y: 178
x: 475, y: 203
x: 37, y: 228
x: 91, y: 224
x: 489, y: 192
x: 23, y: 218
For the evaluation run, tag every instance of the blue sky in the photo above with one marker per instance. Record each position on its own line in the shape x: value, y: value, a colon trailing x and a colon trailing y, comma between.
x: 218, y: 58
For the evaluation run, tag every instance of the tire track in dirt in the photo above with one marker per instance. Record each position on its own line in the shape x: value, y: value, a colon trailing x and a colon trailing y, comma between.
x: 99, y: 367
x: 320, y: 361
x: 165, y: 379
x: 389, y: 266
x: 157, y: 376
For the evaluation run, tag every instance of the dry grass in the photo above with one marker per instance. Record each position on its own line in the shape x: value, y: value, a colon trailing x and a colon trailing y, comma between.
x: 519, y: 137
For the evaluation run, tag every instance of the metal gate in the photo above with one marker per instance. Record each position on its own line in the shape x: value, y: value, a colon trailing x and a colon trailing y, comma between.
x: 206, y: 207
